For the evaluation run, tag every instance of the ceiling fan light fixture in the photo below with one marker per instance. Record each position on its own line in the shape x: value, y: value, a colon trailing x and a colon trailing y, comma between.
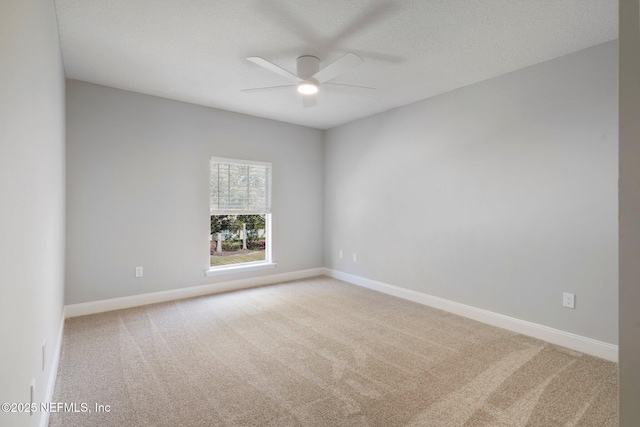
x: 309, y: 76
x: 307, y: 88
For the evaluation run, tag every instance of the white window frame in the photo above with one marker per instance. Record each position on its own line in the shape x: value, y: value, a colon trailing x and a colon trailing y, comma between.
x: 247, y: 266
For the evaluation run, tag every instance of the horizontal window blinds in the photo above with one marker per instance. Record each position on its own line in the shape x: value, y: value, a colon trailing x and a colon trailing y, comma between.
x: 239, y: 187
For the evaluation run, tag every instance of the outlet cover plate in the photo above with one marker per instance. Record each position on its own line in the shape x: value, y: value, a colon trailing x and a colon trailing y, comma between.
x: 568, y: 300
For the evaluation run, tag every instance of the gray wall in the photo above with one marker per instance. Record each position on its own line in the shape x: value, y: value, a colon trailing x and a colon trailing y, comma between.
x: 138, y: 190
x: 500, y: 195
x: 32, y: 197
x: 629, y: 352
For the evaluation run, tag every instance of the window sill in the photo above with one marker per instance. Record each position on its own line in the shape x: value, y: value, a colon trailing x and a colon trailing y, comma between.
x: 240, y: 268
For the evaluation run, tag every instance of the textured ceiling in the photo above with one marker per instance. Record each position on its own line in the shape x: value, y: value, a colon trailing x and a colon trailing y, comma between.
x: 195, y: 50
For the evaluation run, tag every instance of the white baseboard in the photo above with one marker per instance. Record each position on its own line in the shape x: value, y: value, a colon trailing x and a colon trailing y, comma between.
x: 555, y: 336
x: 53, y: 372
x: 74, y: 310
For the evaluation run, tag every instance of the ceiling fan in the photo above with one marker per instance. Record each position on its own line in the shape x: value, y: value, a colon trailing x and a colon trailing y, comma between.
x: 309, y: 77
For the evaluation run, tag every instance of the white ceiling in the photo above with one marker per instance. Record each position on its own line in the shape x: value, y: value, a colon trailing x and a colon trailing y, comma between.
x: 195, y: 50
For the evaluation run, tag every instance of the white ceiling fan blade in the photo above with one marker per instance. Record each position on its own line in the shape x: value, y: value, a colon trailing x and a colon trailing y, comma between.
x: 309, y: 101
x: 337, y: 67
x: 346, y: 88
x: 273, y: 67
x: 264, y: 89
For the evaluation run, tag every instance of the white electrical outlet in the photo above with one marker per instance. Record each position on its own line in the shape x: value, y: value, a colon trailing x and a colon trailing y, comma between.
x: 139, y: 271
x: 355, y: 257
x: 340, y: 254
x: 568, y: 300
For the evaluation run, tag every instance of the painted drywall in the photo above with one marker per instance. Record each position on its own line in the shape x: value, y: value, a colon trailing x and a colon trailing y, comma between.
x: 32, y: 194
x: 629, y: 322
x: 138, y: 190
x: 501, y: 195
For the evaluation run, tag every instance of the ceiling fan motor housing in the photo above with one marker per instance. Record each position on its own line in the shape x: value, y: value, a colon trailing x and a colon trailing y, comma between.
x: 307, y: 66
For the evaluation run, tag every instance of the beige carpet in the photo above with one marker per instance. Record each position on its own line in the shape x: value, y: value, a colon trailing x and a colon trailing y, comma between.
x: 324, y: 353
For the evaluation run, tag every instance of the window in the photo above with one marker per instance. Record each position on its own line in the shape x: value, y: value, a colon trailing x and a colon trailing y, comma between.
x: 240, y: 210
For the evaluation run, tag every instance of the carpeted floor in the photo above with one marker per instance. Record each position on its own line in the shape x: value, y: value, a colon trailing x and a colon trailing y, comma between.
x: 320, y: 352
